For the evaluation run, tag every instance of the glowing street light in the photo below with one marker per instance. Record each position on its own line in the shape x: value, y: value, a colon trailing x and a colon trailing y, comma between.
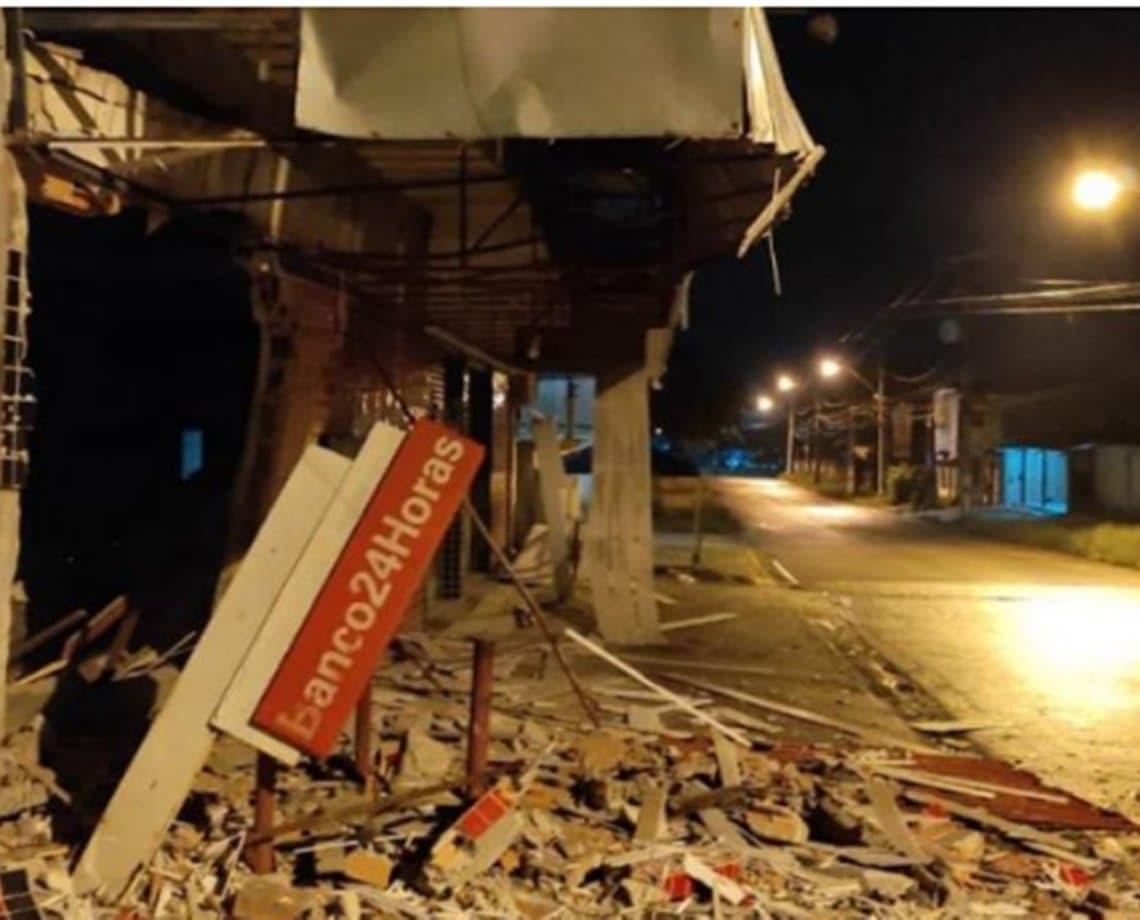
x: 764, y: 403
x: 829, y: 367
x: 1096, y: 190
x: 785, y: 384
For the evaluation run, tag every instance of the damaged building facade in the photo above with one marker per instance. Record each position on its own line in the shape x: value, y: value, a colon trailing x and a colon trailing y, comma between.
x: 238, y: 260
x: 281, y: 284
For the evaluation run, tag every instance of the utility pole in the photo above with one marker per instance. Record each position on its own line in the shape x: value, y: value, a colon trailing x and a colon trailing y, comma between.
x: 965, y: 441
x: 851, y: 449
x: 790, y: 459
x: 881, y: 419
x: 814, y: 457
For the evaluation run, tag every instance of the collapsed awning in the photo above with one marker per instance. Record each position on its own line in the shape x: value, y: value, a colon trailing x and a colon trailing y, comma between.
x: 521, y: 247
x: 545, y: 73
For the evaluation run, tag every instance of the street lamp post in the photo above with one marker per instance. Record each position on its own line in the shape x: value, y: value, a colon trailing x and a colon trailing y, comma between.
x: 881, y: 419
x: 786, y: 384
x: 790, y: 452
x: 829, y: 368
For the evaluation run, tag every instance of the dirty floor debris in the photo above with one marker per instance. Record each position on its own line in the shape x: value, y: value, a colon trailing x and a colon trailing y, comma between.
x: 655, y: 814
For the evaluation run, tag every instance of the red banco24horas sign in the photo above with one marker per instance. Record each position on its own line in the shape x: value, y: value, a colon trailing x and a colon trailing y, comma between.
x: 367, y: 592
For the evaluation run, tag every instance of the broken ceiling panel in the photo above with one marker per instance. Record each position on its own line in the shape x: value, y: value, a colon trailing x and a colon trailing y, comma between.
x: 487, y: 73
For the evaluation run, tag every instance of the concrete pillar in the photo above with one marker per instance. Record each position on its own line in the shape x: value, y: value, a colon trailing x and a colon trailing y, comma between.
x: 618, y: 550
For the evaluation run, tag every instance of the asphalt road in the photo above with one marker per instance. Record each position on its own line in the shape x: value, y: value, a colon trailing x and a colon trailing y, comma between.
x: 1043, y: 645
x: 820, y: 542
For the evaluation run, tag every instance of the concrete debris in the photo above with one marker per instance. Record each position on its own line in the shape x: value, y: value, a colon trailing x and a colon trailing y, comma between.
x: 778, y: 826
x: 368, y: 867
x: 269, y: 897
x: 623, y: 820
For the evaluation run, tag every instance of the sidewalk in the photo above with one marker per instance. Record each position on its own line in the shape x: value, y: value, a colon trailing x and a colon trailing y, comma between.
x: 778, y: 645
x: 1114, y: 542
x: 747, y: 766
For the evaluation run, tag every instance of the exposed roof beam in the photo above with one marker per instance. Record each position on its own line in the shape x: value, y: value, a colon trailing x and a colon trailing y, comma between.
x: 474, y: 352
x: 102, y: 20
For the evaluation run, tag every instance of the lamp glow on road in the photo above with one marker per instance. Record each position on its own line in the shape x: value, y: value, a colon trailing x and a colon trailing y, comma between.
x: 1096, y: 190
x: 764, y: 403
x: 829, y: 367
x: 1081, y: 646
x: 785, y: 384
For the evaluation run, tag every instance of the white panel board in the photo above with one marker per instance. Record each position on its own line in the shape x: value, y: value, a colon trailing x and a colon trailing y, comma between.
x: 178, y: 743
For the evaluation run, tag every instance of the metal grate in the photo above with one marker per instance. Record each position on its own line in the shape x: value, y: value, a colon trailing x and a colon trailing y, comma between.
x: 17, y: 404
x: 449, y: 562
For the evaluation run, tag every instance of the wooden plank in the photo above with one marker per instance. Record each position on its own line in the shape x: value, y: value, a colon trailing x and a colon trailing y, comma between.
x: 726, y: 833
x: 706, y: 620
x: 964, y: 785
x: 891, y: 823
x: 301, y: 589
x: 678, y: 701
x: 9, y: 554
x: 178, y: 743
x: 652, y: 824
x: 728, y: 762
x: 721, y: 666
x: 804, y: 715
x: 551, y: 482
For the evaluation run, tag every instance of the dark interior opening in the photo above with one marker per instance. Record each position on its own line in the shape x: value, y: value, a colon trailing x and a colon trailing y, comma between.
x: 134, y: 338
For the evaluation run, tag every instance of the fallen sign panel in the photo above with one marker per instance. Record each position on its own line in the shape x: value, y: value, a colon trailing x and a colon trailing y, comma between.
x: 349, y: 593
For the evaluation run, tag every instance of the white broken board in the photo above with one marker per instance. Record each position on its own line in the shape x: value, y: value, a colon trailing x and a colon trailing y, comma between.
x: 706, y: 620
x: 178, y: 743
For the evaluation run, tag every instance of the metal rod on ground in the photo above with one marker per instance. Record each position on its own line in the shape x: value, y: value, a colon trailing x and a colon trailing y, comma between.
x: 358, y: 808
x: 479, y: 723
x: 362, y: 737
x: 698, y: 533
x: 45, y: 635
x: 260, y: 855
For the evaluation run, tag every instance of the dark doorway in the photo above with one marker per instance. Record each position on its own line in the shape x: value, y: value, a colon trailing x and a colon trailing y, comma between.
x: 135, y: 339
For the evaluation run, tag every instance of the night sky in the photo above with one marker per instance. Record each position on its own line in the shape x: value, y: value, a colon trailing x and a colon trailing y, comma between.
x: 951, y: 135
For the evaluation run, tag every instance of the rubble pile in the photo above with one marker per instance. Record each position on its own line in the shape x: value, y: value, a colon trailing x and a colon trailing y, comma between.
x: 649, y: 815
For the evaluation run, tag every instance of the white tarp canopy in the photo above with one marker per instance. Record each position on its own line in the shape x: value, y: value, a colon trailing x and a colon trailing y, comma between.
x: 410, y: 74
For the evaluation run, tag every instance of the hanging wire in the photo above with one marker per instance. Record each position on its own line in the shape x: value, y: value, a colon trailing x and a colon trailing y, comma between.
x: 916, y: 378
